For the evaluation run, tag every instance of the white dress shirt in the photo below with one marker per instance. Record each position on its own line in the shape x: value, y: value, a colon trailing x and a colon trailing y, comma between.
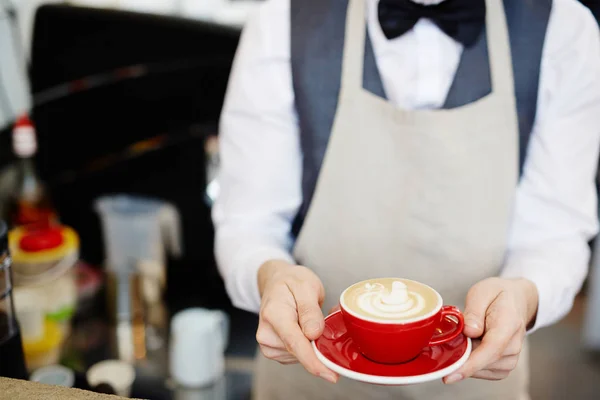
x: 555, y: 212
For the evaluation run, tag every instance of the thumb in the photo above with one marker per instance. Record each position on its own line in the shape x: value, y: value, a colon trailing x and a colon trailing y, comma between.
x: 479, y: 298
x: 310, y: 315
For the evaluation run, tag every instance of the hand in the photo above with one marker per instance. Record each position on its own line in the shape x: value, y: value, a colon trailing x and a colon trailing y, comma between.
x: 290, y: 316
x: 498, y: 311
x: 334, y: 309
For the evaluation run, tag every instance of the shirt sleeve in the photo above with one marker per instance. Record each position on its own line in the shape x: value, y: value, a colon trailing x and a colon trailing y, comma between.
x: 260, y: 175
x: 555, y: 212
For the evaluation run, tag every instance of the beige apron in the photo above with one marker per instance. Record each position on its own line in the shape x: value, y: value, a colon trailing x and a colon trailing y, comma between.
x: 424, y: 195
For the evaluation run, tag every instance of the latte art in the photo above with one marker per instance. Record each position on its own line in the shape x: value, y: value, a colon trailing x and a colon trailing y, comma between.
x: 390, y: 299
x: 395, y: 304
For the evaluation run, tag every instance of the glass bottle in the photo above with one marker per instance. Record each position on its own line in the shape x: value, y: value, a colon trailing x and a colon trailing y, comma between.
x: 31, y: 205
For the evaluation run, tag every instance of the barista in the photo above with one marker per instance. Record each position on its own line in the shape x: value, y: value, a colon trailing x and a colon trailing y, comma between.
x: 451, y: 142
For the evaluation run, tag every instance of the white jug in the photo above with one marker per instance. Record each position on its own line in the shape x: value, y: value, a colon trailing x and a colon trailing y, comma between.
x: 138, y: 232
x: 197, y: 349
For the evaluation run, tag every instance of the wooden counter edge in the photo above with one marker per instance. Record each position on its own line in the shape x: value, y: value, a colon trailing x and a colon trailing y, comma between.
x: 13, y: 389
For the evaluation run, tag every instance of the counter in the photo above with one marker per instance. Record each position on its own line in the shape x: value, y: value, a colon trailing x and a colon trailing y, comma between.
x: 11, y: 389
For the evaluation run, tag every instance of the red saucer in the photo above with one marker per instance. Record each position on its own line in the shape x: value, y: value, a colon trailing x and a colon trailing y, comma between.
x: 336, y: 350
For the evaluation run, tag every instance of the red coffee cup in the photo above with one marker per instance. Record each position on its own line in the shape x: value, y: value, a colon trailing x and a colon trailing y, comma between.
x: 395, y: 342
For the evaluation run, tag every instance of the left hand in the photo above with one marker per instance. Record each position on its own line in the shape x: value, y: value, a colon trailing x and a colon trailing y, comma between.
x: 498, y: 311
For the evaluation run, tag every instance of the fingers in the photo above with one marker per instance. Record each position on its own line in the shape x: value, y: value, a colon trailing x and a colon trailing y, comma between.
x: 290, y: 317
x: 515, y: 346
x: 271, y: 346
x: 501, y: 368
x: 279, y: 330
x: 486, y: 353
x: 479, y: 298
x: 505, y: 364
x: 298, y: 345
x: 491, y: 375
x: 309, y: 311
x: 491, y: 349
x: 282, y: 356
x: 493, y: 308
x: 498, y: 370
x: 266, y: 336
x: 500, y: 333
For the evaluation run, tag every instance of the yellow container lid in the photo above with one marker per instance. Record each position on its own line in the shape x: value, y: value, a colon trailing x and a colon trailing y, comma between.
x: 42, y: 246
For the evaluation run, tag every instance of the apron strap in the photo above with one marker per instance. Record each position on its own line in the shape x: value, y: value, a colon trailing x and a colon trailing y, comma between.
x: 501, y: 67
x: 354, y: 47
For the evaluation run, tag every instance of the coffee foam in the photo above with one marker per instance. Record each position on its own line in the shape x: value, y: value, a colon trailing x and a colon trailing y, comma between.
x: 390, y: 299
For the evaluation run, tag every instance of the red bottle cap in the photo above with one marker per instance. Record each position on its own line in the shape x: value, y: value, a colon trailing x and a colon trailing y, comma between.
x: 41, y: 239
x: 23, y: 121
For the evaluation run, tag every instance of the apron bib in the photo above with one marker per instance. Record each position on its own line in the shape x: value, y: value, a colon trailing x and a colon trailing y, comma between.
x: 424, y: 195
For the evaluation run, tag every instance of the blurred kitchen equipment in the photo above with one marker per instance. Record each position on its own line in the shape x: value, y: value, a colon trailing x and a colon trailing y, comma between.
x: 198, y: 341
x: 44, y: 258
x: 31, y: 204
x: 12, y: 360
x: 137, y: 233
x: 138, y: 230
x: 29, y: 308
x: 45, y: 350
x: 216, y: 391
x: 118, y: 374
x: 45, y: 292
x: 89, y: 282
x: 125, y: 306
x: 56, y: 375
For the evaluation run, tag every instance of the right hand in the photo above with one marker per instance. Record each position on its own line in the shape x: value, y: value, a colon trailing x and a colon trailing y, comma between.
x: 290, y: 316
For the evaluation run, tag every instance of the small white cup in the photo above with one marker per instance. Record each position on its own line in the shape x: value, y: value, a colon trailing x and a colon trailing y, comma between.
x: 118, y: 374
x: 198, y: 341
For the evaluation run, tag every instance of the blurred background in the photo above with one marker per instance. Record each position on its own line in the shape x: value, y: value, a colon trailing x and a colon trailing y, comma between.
x: 108, y: 126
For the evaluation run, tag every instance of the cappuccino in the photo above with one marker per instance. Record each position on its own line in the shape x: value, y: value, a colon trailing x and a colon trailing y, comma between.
x: 391, y: 300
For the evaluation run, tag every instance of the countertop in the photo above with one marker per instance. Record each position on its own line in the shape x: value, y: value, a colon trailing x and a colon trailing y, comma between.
x: 93, y: 339
x: 12, y: 389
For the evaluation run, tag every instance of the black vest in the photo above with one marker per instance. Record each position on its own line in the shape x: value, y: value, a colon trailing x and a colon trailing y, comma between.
x: 317, y: 40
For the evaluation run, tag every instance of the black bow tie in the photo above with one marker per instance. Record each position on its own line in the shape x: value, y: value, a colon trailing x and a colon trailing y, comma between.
x: 463, y: 20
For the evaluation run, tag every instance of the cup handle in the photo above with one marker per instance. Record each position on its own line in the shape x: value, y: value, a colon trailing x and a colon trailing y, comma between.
x: 448, y: 331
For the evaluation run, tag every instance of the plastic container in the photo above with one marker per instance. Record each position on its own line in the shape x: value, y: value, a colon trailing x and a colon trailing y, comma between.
x: 46, y: 350
x: 43, y: 267
x: 29, y: 307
